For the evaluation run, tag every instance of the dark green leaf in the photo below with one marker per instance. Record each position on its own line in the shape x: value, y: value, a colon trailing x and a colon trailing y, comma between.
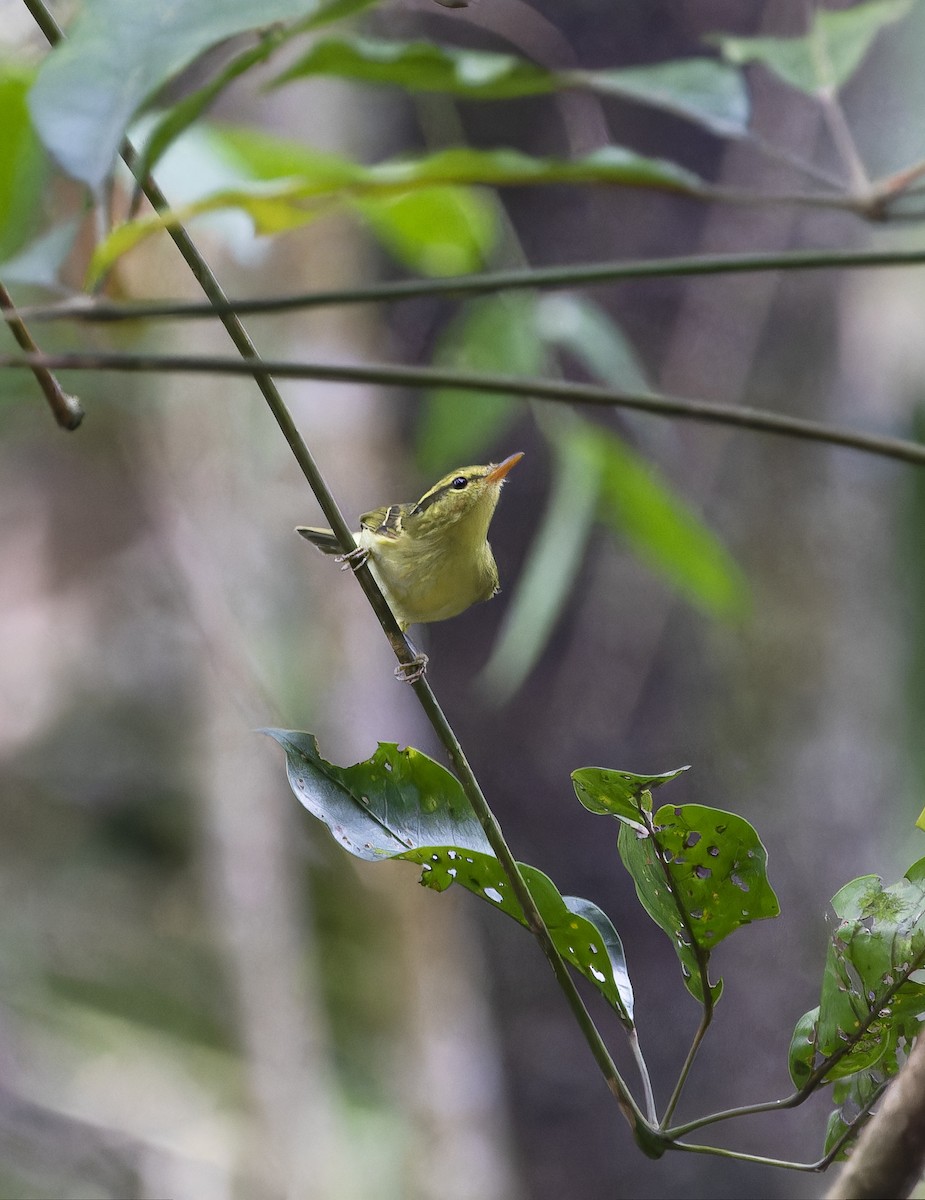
x: 400, y: 804
x: 828, y: 55
x: 497, y: 333
x: 662, y: 530
x: 802, y: 1056
x: 119, y: 52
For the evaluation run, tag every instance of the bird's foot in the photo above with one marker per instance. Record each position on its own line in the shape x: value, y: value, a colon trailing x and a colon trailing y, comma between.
x: 411, y: 672
x: 354, y: 560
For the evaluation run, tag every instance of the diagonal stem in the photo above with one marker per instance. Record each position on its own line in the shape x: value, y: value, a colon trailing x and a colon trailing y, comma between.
x: 66, y: 409
x: 649, y: 1140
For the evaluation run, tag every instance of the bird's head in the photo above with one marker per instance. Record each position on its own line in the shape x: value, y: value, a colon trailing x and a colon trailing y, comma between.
x: 463, y: 499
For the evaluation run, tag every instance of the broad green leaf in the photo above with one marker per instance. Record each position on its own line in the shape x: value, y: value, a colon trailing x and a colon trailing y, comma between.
x: 23, y: 165
x: 400, y: 804
x: 284, y: 184
x: 424, y: 67
x: 711, y: 93
x: 662, y: 530
x: 552, y: 563
x: 852, y: 1096
x: 828, y: 55
x: 700, y: 89
x: 118, y: 53
x: 437, y: 231
x: 701, y: 875
x: 876, y: 947
x: 310, y: 183
x: 496, y: 333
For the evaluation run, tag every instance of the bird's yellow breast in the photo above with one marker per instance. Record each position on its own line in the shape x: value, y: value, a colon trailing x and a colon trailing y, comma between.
x: 430, y: 578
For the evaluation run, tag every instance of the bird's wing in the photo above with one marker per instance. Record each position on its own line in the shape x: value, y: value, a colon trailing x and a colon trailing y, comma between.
x: 385, y: 522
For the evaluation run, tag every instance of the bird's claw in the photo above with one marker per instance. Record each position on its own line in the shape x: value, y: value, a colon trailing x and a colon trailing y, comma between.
x: 353, y: 560
x: 411, y: 672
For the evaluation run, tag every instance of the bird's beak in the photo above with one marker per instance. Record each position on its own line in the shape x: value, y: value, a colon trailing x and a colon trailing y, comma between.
x: 496, y: 474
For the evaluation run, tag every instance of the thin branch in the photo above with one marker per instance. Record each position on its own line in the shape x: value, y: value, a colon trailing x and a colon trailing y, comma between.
x: 575, y: 275
x: 688, y: 1064
x: 650, y: 1141
x: 563, y: 391
x: 66, y: 409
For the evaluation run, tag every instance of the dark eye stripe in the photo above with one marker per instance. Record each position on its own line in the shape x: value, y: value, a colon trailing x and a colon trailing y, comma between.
x: 433, y: 496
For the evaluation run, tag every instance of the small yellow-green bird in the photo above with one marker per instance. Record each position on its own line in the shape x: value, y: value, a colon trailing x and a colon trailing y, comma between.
x: 431, y: 559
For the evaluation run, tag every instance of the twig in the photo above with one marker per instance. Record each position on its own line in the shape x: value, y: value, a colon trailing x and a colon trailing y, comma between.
x: 67, y: 409
x: 575, y: 275
x: 563, y: 391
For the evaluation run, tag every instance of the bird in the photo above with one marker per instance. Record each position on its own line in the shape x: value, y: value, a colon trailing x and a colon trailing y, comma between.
x: 431, y: 559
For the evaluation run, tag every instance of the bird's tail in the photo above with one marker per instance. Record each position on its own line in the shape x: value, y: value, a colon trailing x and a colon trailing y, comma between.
x: 324, y: 539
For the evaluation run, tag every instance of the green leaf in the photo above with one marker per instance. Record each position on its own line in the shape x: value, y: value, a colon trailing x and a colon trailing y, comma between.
x: 577, y: 326
x: 662, y: 530
x: 400, y: 804
x: 284, y: 184
x: 711, y: 93
x: 827, y: 56
x: 852, y: 1096
x: 120, y: 52
x: 437, y: 231
x: 424, y: 67
x: 802, y: 1055
x: 496, y: 333
x: 872, y: 953
x: 700, y: 873
x: 619, y: 794
x: 551, y: 565
x: 23, y: 165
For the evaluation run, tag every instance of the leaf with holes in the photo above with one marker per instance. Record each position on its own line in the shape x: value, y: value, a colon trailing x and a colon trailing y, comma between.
x: 400, y: 804
x: 872, y: 954
x: 700, y: 873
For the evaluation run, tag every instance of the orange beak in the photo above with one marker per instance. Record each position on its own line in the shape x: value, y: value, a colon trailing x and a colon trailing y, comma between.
x: 496, y: 474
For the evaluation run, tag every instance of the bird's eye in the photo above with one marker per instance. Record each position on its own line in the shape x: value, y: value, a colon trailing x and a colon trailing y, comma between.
x: 459, y: 483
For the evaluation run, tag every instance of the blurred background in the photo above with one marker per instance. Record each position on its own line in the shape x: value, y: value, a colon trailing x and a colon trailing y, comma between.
x: 200, y: 995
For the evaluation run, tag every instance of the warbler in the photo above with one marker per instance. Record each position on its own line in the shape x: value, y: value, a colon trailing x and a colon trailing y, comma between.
x: 431, y: 558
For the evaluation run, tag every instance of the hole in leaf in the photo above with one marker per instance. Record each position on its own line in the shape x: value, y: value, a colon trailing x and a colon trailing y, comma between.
x: 739, y: 882
x: 494, y: 894
x: 451, y: 854
x: 435, y: 857
x: 692, y: 839
x: 300, y: 781
x: 702, y: 872
x: 598, y: 975
x: 388, y: 765
x: 592, y: 948
x: 713, y: 851
x: 451, y: 871
x: 697, y: 914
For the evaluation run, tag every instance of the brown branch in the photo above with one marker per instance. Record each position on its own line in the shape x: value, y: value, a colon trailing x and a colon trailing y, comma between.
x: 66, y: 408
x: 889, y: 1158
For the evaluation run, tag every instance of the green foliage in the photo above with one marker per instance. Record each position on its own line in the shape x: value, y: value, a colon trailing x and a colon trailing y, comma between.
x: 497, y: 333
x: 827, y: 56
x: 120, y: 52
x: 700, y: 873
x: 400, y: 804
x: 23, y: 166
x: 702, y: 90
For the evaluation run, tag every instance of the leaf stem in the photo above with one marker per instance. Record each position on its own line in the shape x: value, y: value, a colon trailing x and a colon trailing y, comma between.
x: 701, y: 1033
x: 758, y: 420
